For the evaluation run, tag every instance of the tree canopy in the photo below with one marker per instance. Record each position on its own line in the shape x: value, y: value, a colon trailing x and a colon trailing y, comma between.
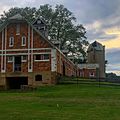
x: 61, y: 26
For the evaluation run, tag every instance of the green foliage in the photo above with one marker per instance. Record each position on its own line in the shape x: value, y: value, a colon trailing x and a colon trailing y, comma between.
x: 111, y: 75
x: 28, y: 13
x: 61, y: 26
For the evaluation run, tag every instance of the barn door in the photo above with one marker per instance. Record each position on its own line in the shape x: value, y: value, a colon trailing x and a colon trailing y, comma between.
x: 17, y: 63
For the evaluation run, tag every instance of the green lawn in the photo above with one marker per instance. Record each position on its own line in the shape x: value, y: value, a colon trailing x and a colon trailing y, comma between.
x: 62, y: 102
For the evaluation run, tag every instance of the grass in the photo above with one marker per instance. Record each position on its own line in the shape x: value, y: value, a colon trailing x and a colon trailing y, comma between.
x: 62, y: 102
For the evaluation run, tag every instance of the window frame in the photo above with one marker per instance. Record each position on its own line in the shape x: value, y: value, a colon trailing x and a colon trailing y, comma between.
x: 11, y: 40
x: 24, y: 60
x: 23, y: 38
x: 10, y: 60
x: 91, y: 74
x: 42, y: 57
x: 17, y: 29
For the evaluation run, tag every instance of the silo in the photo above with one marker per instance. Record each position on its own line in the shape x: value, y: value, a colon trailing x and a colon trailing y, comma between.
x: 96, y: 55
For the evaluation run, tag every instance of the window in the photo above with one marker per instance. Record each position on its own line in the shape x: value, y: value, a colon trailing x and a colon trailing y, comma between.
x: 23, y: 41
x: 10, y: 58
x: 42, y: 57
x: 46, y: 56
x: 24, y: 58
x: 39, y: 22
x: 91, y: 74
x: 38, y: 57
x: 18, y: 29
x: 38, y: 78
x: 11, y: 41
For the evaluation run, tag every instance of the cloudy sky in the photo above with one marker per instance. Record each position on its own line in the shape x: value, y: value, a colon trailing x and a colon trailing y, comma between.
x: 101, y: 18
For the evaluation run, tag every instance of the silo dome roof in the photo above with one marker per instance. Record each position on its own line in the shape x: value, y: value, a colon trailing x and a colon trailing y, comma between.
x: 96, y: 46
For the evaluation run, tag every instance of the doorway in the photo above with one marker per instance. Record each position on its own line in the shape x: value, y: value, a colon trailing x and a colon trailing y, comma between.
x: 16, y: 82
x: 17, y: 63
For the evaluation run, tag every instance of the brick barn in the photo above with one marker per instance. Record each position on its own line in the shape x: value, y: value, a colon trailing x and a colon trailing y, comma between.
x: 27, y: 57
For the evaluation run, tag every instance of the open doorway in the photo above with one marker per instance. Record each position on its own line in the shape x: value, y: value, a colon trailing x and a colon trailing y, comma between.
x: 17, y: 63
x: 16, y: 82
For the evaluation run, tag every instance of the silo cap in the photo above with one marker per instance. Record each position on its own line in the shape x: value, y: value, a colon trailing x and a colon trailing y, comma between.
x: 96, y: 46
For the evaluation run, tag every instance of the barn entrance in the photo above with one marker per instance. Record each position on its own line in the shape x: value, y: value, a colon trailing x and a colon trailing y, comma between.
x: 16, y: 82
x: 17, y: 63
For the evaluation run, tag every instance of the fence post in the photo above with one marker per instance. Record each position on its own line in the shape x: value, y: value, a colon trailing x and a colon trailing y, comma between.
x: 97, y: 76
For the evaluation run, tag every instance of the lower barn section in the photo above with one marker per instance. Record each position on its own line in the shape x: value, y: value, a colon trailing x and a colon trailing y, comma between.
x: 18, y: 80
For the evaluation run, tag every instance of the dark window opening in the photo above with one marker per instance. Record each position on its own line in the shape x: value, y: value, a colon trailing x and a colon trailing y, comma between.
x: 23, y: 41
x: 38, y: 78
x: 46, y: 56
x: 38, y: 57
x: 11, y: 41
x: 42, y: 57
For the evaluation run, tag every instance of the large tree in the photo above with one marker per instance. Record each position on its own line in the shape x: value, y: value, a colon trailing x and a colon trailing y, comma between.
x: 61, y: 26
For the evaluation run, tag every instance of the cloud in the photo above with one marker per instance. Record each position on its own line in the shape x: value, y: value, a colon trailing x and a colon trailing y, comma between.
x: 112, y: 55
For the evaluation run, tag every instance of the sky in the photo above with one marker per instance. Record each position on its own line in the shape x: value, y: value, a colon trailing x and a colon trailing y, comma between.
x: 101, y: 18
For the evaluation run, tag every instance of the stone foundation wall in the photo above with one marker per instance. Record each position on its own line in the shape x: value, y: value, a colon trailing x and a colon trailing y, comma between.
x: 48, y: 78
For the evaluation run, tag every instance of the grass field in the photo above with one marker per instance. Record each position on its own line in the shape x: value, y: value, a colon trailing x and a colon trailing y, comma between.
x: 62, y: 102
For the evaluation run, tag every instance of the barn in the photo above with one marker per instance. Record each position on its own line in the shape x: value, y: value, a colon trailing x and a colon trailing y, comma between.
x: 27, y: 57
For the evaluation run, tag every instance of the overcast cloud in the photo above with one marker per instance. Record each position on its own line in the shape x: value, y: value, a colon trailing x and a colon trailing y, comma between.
x: 101, y: 19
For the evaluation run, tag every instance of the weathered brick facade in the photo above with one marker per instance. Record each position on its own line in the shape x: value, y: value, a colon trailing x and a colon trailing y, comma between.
x: 28, y: 58
x: 36, y: 69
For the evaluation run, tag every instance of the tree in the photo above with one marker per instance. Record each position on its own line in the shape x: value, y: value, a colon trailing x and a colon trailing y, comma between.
x: 28, y: 13
x: 61, y: 26
x: 60, y: 21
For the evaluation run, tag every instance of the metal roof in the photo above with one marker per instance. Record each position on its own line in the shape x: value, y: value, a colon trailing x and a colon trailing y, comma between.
x: 88, y: 66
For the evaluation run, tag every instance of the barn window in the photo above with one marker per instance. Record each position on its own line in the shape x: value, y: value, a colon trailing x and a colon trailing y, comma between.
x: 38, y: 57
x: 23, y: 41
x: 24, y: 58
x: 91, y: 74
x: 38, y: 78
x: 46, y: 56
x: 42, y: 57
x: 10, y: 58
x: 18, y: 29
x: 11, y: 41
x: 39, y: 22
